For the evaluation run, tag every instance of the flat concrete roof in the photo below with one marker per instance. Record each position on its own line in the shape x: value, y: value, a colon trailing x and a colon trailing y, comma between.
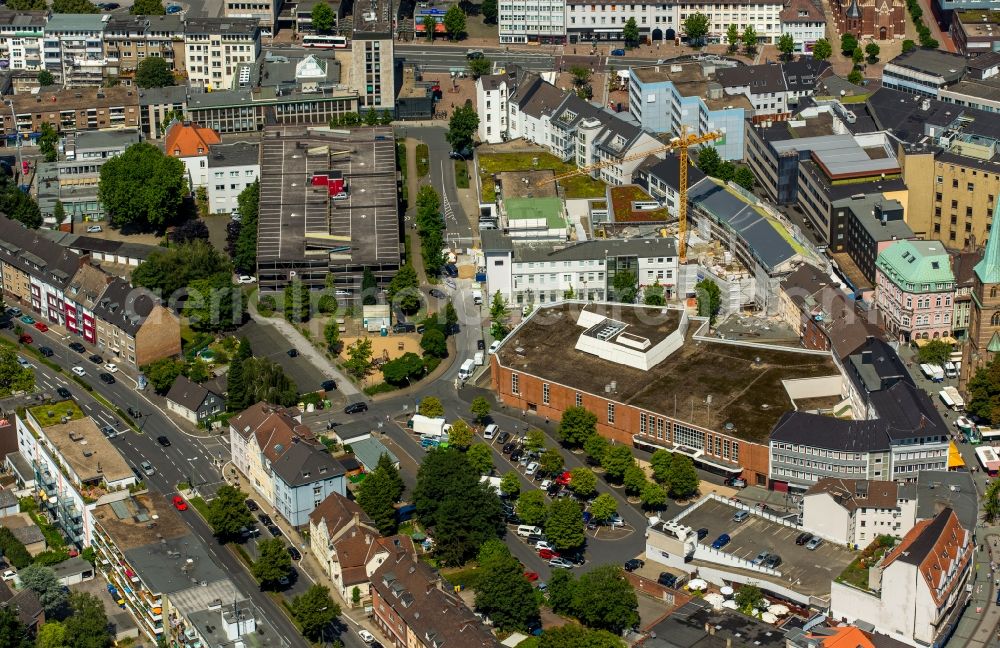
x: 140, y: 520
x: 841, y: 155
x: 805, y: 571
x: 527, y: 184
x: 747, y: 393
x: 88, y: 452
x: 691, y: 81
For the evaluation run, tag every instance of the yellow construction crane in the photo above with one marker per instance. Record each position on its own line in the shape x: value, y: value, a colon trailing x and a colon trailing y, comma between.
x: 681, y: 144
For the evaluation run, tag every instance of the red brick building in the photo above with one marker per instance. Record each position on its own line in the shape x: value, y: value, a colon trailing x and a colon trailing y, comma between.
x: 870, y: 19
x: 655, y: 382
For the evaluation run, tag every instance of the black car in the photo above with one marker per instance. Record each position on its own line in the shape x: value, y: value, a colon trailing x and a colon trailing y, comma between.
x: 404, y: 327
x: 803, y: 538
x: 96, y: 359
x: 265, y: 519
x: 503, y: 438
x: 554, y: 489
x: 64, y: 393
x: 329, y: 385
x: 163, y: 441
x: 252, y: 505
x: 421, y: 328
x: 294, y: 553
x: 509, y: 447
x: 633, y: 564
x: 575, y: 557
x: 667, y: 579
x: 451, y: 270
x: 481, y: 344
x: 356, y: 408
x: 107, y: 378
x: 772, y: 561
x: 702, y: 533
x: 76, y: 346
x: 275, y: 531
x: 45, y: 351
x: 516, y: 455
x: 293, y: 353
x: 434, y: 292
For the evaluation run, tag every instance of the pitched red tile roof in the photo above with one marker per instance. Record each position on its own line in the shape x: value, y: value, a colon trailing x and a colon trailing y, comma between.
x: 187, y: 139
x: 940, y: 548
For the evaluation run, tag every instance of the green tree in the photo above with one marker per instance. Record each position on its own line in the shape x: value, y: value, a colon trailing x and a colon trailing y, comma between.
x: 872, y: 51
x: 46, y: 586
x: 749, y: 39
x: 73, y: 7
x: 147, y: 8
x: 59, y: 213
x: 908, y: 46
x: 625, y: 285
x: 47, y: 141
x: 404, y: 369
x: 454, y: 22
x: 564, y: 524
x: 857, y: 55
x: 13, y: 377
x: 433, y: 343
x: 822, y: 50
x: 430, y: 406
x: 603, y: 599
x: 594, y: 447
x: 744, y: 177
x: 369, y: 287
x: 371, y: 117
x: 531, y: 507
x: 551, y: 462
x: 583, y: 482
x: 510, y: 484
x: 661, y: 462
x: 848, y: 43
x: 653, y: 496
x: 162, y: 373
x: 991, y: 501
x: 749, y: 597
x: 696, y: 28
x: 463, y: 123
x: 273, y: 561
x: 359, y: 358
x: 654, y: 295
x: 616, y: 460
x: 245, y: 252
x: 154, y: 72
x: 560, y: 591
x: 376, y: 497
x: 786, y: 45
x: 403, y: 289
x: 44, y: 77
x: 315, y: 610
x: 576, y: 426
x: 603, y: 507
x: 13, y: 633
x: 87, y: 625
x: 14, y: 553
x: 395, y: 483
x: 709, y: 299
x: 634, y: 479
x: 228, y: 512
x: 709, y: 160
x: 534, y: 440
x: 733, y: 37
x: 856, y: 77
x: 142, y: 187
x: 169, y: 270
x: 683, y: 478
x: 571, y: 635
x: 322, y: 17
x: 498, y: 316
x: 18, y: 205
x: 489, y: 11
x: 630, y: 33
x: 480, y: 67
x: 214, y: 304
x: 502, y: 592
x: 296, y: 302
x: 481, y: 458
x: 331, y: 333
x: 581, y: 75
x: 264, y: 380
x: 983, y: 391
x: 460, y: 435
x: 934, y: 352
x: 52, y: 634
x: 480, y: 408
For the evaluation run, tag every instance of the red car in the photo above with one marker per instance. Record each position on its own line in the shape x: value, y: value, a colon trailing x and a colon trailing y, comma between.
x: 564, y: 479
x: 531, y: 576
x: 179, y: 503
x: 25, y: 339
x: 41, y: 326
x: 547, y: 554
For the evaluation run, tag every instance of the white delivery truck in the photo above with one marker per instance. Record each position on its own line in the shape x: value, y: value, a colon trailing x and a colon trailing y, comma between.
x: 958, y: 403
x: 477, y: 297
x: 938, y: 373
x: 427, y: 426
x: 465, y: 371
x: 927, y: 370
x: 479, y: 358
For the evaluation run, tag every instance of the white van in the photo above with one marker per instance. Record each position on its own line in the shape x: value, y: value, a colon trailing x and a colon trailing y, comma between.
x: 477, y: 297
x: 525, y: 530
x: 949, y: 370
x: 491, y: 431
x: 479, y: 358
x: 465, y: 371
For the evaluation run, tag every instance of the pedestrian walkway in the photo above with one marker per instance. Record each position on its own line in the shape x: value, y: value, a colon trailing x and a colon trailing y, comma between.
x: 306, y: 348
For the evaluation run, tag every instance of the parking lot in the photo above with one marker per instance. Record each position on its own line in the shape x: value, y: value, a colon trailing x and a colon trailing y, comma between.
x: 810, y: 571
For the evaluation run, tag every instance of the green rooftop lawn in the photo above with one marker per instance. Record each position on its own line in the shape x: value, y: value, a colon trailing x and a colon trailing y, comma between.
x: 622, y: 199
x: 856, y: 573
x: 52, y: 414
x: 578, y: 186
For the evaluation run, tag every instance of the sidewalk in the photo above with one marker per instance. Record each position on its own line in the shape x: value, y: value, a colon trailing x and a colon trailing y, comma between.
x: 306, y: 348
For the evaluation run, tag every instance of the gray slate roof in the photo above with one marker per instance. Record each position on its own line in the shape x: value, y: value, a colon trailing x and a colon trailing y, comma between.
x: 187, y: 394
x: 302, y: 459
x: 32, y: 252
x: 124, y: 306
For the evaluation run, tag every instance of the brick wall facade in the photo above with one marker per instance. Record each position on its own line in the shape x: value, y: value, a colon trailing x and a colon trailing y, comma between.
x: 159, y: 336
x: 390, y: 623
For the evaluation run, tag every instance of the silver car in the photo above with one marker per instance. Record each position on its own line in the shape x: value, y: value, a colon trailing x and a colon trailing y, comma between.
x: 815, y: 542
x: 147, y: 468
x: 560, y: 562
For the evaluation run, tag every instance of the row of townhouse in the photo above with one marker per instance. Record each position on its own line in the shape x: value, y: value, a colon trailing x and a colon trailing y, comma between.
x: 129, y: 325
x: 284, y: 461
x: 93, y: 49
x: 580, y: 21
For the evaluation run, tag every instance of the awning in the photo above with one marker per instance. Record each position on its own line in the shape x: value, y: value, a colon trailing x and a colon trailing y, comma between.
x: 695, y: 454
x: 947, y: 340
x: 955, y: 460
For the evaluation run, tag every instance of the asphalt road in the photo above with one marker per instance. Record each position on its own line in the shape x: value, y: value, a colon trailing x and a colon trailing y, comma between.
x: 443, y: 58
x: 268, y: 342
x: 442, y: 175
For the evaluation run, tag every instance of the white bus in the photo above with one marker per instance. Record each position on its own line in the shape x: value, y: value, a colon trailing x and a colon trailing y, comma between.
x: 325, y: 42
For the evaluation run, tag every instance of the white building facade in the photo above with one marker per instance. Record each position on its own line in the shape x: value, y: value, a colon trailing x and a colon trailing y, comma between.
x: 231, y: 169
x: 214, y: 48
x: 532, y: 21
x: 855, y: 512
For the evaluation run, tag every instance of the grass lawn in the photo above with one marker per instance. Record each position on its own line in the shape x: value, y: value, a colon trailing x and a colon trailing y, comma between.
x: 856, y: 573
x: 579, y: 186
x: 461, y: 174
x: 48, y: 415
x: 467, y: 577
x: 621, y: 201
x: 200, y: 505
x: 423, y: 160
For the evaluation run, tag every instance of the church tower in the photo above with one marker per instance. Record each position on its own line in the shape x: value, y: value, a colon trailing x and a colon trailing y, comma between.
x: 984, y: 318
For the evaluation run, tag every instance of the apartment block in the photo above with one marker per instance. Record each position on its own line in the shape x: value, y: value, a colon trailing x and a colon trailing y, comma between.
x: 231, y: 169
x: 265, y: 12
x: 249, y: 110
x: 73, y: 49
x: 914, y: 290
x: 189, y: 142
x: 975, y: 32
x: 854, y: 512
x: 805, y: 22
x: 76, y: 467
x: 133, y: 328
x: 36, y: 271
x: 130, y: 39
x: 587, y: 22
x: 74, y: 109
x: 158, y: 107
x: 372, y: 65
x: 82, y: 295
x: 214, y: 48
x: 21, y: 34
x: 763, y: 15
x: 963, y: 267
x: 872, y: 223
x: 532, y: 21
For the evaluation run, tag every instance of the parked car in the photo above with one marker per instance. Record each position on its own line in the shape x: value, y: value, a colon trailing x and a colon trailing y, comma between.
x: 721, y: 541
x: 772, y: 561
x: 561, y: 562
x: 509, y: 447
x: 803, y: 538
x: 76, y: 346
x: 366, y: 636
x: 667, y: 579
x: 147, y: 469
x: 27, y: 319
x: 437, y: 294
x: 702, y: 533
x: 110, y: 367
x: 64, y: 393
x: 294, y: 553
x: 576, y: 557
x: 174, y: 9
x: 494, y: 346
x: 179, y: 503
x: 163, y: 441
x: 265, y: 519
x: 25, y: 339
x: 813, y: 543
x: 79, y: 371
x: 547, y: 554
x: 356, y: 408
x: 93, y: 229
x: 106, y: 378
x: 252, y: 505
x: 503, y: 438
x: 481, y: 344
x: 247, y: 279
x: 96, y: 359
x: 516, y: 456
x: 328, y: 385
x: 293, y: 353
x: 633, y: 564
x: 404, y: 327
x: 531, y: 468
x: 42, y: 327
x: 531, y: 576
x: 275, y: 531
x: 45, y: 351
x: 761, y: 557
x: 618, y: 52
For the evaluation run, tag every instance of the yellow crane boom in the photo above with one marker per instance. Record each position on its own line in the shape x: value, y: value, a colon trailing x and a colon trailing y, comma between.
x: 681, y: 144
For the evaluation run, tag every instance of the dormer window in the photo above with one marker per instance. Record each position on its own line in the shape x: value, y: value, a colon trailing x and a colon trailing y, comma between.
x: 201, y: 151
